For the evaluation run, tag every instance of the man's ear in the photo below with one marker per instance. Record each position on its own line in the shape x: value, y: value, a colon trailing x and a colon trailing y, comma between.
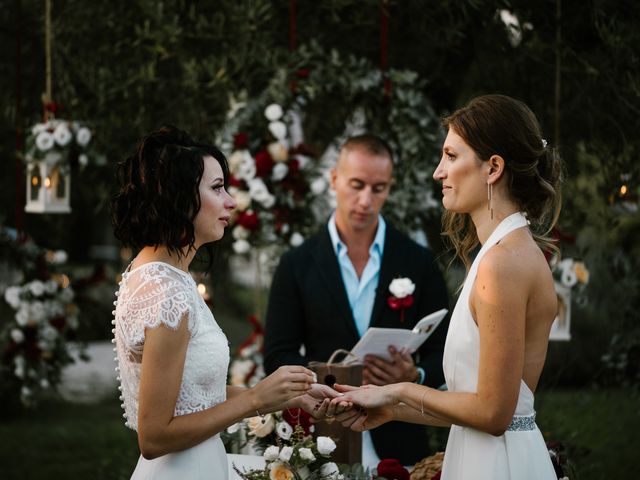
x: 333, y: 176
x: 496, y: 168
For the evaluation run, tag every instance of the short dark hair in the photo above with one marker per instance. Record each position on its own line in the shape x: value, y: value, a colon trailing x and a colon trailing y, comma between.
x: 158, y: 194
x: 369, y: 142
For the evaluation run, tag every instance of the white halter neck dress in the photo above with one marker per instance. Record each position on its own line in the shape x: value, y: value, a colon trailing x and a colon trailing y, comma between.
x: 521, y: 452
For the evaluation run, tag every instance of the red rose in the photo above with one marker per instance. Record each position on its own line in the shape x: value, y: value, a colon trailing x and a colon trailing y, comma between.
x: 249, y: 220
x: 240, y: 140
x: 391, y: 469
x: 264, y: 163
x: 303, y: 73
x: 58, y: 322
x: 294, y: 165
x: 235, y: 182
x: 297, y: 416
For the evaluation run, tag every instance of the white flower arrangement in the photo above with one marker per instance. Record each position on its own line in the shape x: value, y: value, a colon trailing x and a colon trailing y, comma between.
x: 571, y: 272
x: 33, y: 341
x: 275, y: 184
x: 59, y: 141
x: 297, y: 457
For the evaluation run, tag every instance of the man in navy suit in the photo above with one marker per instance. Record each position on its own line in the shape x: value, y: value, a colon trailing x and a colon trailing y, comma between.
x: 329, y: 290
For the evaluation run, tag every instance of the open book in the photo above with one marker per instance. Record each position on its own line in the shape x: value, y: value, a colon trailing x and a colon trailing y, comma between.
x: 376, y: 341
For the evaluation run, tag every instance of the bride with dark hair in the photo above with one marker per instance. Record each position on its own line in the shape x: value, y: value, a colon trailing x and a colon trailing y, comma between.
x: 172, y: 355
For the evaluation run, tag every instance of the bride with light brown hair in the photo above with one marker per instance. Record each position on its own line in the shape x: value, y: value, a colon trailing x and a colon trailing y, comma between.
x: 500, y: 185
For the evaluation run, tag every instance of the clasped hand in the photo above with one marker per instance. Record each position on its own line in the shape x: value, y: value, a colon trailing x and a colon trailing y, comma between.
x: 378, y: 371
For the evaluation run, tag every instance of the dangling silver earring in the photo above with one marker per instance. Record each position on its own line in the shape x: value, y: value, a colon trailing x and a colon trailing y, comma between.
x: 490, y: 197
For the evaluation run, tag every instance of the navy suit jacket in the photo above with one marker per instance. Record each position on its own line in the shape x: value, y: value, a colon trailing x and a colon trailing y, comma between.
x: 308, y: 306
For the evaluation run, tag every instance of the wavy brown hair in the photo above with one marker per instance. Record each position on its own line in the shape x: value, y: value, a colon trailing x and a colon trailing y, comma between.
x: 158, y: 196
x: 501, y: 125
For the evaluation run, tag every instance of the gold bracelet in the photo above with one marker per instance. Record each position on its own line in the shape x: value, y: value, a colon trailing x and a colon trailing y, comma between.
x: 422, y: 401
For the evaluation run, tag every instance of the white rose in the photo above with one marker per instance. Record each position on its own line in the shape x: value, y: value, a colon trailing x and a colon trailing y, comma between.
x: 247, y: 168
x: 296, y: 239
x: 568, y: 275
x: 83, y: 159
x: 284, y: 430
x: 303, y: 161
x: 37, y: 311
x: 51, y: 286
x: 401, y: 287
x: 279, y: 171
x: 67, y: 294
x: 44, y: 141
x: 271, y: 453
x: 240, y: 233
x: 329, y: 470
x: 22, y: 316
x: 48, y: 333
x: 62, y: 135
x: 39, y: 127
x: 19, y: 369
x: 257, y: 189
x: 273, y: 112
x: 44, y: 383
x: 73, y: 322
x: 60, y: 256
x: 36, y: 287
x: 241, y: 246
x: 307, y: 455
x: 261, y: 426
x: 278, y: 130
x: 318, y: 186
x: 12, y: 296
x: 268, y: 201
x: 285, y: 454
x: 17, y: 335
x: 243, y: 200
x: 278, y: 151
x: 325, y: 445
x: 83, y: 137
x: 25, y: 392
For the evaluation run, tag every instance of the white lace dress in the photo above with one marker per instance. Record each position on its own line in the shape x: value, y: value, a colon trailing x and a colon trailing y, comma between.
x: 157, y: 294
x: 519, y: 454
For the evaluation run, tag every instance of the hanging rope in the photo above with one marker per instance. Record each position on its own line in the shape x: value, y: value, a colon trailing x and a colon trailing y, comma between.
x: 384, y: 44
x: 19, y: 133
x: 47, y: 99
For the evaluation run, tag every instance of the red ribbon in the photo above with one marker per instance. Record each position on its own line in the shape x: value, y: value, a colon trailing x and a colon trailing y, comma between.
x: 384, y: 44
x: 400, y: 304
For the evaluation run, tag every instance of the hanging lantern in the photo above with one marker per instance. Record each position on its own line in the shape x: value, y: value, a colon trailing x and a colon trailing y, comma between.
x: 48, y: 184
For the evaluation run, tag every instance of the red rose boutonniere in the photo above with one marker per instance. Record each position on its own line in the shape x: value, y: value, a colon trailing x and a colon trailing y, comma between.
x: 401, y: 295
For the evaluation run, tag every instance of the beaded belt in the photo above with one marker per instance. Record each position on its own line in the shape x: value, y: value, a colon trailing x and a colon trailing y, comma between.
x: 522, y: 423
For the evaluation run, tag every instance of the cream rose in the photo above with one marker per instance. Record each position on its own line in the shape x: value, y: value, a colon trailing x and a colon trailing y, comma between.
x: 278, y: 151
x: 271, y: 453
x: 280, y: 471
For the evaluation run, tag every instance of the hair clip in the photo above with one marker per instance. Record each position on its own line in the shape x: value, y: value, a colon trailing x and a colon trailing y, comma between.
x: 544, y: 143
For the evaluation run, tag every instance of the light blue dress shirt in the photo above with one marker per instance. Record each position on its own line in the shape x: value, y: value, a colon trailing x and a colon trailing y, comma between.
x: 361, y: 292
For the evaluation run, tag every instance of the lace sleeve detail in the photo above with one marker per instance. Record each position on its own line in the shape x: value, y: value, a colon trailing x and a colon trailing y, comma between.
x: 157, y: 296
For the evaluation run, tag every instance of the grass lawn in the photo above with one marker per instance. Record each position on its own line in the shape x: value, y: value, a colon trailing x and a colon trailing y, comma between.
x: 67, y: 441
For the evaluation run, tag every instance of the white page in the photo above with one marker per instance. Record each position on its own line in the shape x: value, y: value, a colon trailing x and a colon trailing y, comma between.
x: 376, y: 341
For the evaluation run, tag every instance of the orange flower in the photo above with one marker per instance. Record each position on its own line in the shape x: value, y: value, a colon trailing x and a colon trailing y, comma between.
x: 280, y: 471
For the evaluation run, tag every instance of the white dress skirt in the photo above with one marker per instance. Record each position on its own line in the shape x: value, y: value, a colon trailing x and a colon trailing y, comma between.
x: 519, y: 454
x: 207, y: 460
